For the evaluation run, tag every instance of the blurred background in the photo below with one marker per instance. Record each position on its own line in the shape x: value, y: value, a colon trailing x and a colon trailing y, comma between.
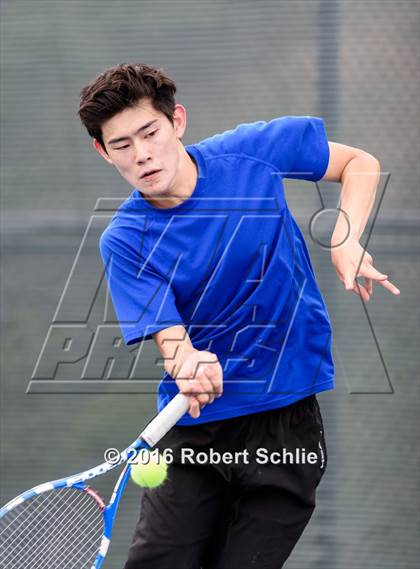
x: 354, y: 63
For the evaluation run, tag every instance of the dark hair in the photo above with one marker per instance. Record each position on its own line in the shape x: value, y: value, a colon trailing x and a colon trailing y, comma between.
x: 121, y: 87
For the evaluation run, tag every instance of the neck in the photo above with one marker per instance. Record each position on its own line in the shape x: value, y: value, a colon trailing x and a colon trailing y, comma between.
x: 184, y: 185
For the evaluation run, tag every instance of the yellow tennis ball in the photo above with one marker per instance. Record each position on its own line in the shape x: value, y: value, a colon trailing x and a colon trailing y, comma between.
x: 149, y: 472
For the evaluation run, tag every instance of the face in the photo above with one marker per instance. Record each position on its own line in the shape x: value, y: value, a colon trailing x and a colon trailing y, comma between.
x: 140, y: 140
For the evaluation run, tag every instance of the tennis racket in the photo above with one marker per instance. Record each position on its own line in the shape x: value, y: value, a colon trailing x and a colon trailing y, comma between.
x: 65, y: 523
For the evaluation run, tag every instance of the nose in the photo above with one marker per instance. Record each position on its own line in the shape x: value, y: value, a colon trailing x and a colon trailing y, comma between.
x: 142, y: 152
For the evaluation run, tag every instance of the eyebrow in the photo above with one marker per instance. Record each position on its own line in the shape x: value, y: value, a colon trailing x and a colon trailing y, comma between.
x: 121, y: 138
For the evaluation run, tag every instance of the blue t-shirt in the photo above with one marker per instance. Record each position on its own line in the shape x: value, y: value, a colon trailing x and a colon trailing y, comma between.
x: 231, y: 265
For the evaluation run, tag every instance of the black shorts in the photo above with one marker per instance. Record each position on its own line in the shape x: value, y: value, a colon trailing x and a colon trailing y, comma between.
x: 246, y: 512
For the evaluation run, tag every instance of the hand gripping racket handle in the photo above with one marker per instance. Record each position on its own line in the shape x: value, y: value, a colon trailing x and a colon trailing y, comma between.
x: 166, y: 419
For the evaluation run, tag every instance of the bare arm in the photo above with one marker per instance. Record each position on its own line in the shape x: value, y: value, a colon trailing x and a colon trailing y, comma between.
x: 359, y: 174
x: 197, y: 373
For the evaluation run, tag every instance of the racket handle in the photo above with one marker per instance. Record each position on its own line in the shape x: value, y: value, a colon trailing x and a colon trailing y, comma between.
x: 166, y: 419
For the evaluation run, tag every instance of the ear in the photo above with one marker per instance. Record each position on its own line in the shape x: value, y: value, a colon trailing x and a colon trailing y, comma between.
x: 98, y: 147
x: 180, y: 120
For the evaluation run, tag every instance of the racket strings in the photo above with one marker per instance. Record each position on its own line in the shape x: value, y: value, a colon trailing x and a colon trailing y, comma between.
x: 30, y: 515
x: 57, y: 529
x: 48, y: 545
x: 70, y: 556
x: 58, y: 543
x: 34, y: 515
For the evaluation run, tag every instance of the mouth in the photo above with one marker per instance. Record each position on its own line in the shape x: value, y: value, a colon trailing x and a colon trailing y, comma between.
x: 150, y: 174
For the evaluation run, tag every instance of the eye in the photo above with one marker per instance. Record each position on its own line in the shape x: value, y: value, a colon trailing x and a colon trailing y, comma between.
x: 151, y: 134
x: 121, y: 147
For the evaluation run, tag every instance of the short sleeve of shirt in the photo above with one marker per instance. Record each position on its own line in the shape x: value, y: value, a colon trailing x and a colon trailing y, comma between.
x: 143, y: 300
x: 296, y: 145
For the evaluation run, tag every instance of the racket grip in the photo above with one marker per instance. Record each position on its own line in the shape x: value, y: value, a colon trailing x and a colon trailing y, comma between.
x: 166, y: 419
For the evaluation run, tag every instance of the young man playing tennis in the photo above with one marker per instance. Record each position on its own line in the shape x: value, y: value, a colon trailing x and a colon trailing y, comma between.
x: 206, y: 258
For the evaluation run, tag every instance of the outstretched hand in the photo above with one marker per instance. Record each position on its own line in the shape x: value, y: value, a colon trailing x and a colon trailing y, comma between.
x: 346, y: 260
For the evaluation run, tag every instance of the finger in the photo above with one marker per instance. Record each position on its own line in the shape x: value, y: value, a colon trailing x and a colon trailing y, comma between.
x: 349, y: 281
x: 369, y: 286
x: 196, y: 388
x: 389, y: 286
x: 214, y: 375
x: 185, y: 375
x: 208, y: 388
x: 370, y: 272
x: 194, y: 409
x: 361, y: 291
x: 364, y: 294
x: 187, y: 386
x: 210, y: 370
x: 206, y: 394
